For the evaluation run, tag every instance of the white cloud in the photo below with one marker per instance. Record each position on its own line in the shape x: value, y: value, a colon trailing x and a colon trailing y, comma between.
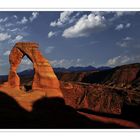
x: 26, y: 61
x: 126, y: 42
x: 118, y: 60
x: 3, y: 19
x: 64, y: 17
x: 84, y: 26
x: 4, y: 36
x: 16, y: 39
x: 89, y: 26
x: 51, y: 33
x: 128, y: 38
x: 123, y: 13
x: 118, y: 14
x: 8, y: 24
x: 6, y: 53
x: 115, y: 14
x: 24, y: 20
x: 78, y: 60
x: 73, y: 18
x: 34, y: 16
x: 128, y: 25
x: 17, y: 30
x: 61, y: 63
x: 121, y: 60
x: 15, y: 16
x: 13, y: 30
x: 123, y: 44
x: 119, y: 27
x: 122, y: 26
x: 69, y: 62
x: 49, y: 49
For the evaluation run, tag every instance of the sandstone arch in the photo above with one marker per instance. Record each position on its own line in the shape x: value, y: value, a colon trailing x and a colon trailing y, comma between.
x: 44, y: 77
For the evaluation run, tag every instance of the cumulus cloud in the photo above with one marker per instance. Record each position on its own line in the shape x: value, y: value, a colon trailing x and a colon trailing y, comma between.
x: 7, y: 53
x: 74, y: 18
x: 13, y: 30
x: 51, y: 33
x: 78, y: 60
x: 49, y: 49
x: 127, y: 38
x: 18, y: 30
x: 119, y: 27
x: 9, y: 24
x: 126, y: 42
x: 123, y: 44
x: 64, y: 17
x: 17, y: 38
x: 128, y: 25
x: 122, y: 26
x: 3, y: 19
x: 69, y: 62
x: 24, y: 20
x: 61, y: 63
x: 118, y: 60
x: 34, y: 16
x: 4, y: 36
x: 86, y: 25
x: 26, y: 61
x: 118, y: 14
x: 121, y: 60
x: 15, y: 16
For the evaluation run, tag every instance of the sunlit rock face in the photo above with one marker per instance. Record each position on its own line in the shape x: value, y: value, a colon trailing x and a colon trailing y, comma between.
x: 44, y: 77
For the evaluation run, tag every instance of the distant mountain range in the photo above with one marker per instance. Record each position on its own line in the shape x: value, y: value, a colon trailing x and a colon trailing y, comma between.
x: 81, y: 69
x: 70, y: 69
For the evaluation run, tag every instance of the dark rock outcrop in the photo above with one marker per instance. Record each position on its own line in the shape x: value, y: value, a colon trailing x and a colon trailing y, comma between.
x: 121, y: 76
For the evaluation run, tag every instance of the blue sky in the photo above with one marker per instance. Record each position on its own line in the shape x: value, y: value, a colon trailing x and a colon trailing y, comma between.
x: 69, y: 38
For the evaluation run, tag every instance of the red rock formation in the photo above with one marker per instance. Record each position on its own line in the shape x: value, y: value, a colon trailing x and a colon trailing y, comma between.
x: 93, y: 97
x: 44, y: 77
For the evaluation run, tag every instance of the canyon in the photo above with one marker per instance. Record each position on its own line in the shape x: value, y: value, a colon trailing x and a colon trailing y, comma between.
x: 76, y: 98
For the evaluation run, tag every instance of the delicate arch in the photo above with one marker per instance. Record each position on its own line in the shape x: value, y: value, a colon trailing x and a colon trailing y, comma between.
x: 44, y: 77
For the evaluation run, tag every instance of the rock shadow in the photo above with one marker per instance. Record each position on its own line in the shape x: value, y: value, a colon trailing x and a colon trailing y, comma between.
x: 47, y: 113
x: 131, y: 113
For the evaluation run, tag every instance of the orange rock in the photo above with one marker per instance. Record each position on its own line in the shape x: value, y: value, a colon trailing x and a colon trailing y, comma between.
x: 44, y: 77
